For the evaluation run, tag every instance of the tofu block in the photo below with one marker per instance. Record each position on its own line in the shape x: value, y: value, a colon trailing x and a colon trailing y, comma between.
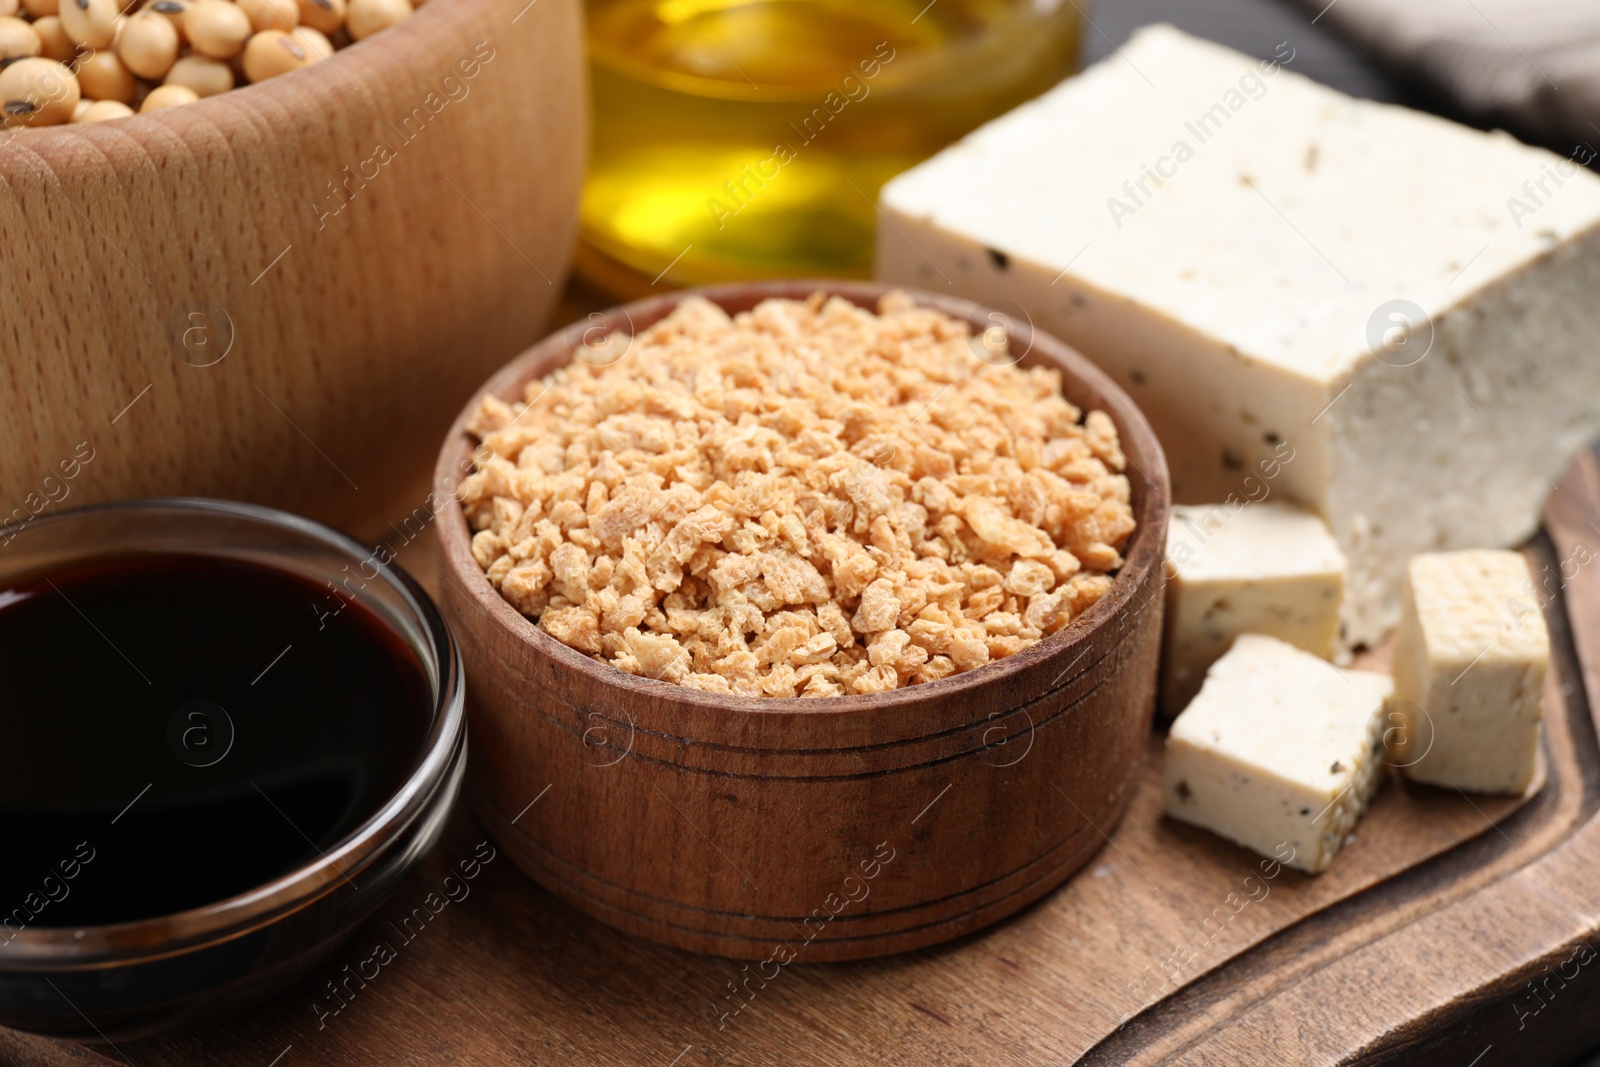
x: 1280, y: 752
x: 1265, y: 568
x: 1385, y: 316
x: 1469, y: 669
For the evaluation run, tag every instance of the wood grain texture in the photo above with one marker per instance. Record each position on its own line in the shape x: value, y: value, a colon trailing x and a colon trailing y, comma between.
x: 802, y: 829
x: 1415, y: 948
x: 366, y: 239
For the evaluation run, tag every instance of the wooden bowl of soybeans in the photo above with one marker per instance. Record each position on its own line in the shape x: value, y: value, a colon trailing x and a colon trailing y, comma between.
x: 308, y: 230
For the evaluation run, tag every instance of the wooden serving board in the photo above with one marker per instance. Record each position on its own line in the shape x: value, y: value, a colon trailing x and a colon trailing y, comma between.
x: 1171, y: 947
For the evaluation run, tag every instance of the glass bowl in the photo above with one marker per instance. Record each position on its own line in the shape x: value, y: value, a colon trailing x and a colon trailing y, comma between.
x: 742, y: 139
x: 132, y: 979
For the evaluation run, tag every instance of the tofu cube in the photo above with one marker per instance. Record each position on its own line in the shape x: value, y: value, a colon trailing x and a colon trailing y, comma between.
x: 1469, y: 670
x: 1384, y: 316
x: 1280, y: 752
x: 1265, y: 568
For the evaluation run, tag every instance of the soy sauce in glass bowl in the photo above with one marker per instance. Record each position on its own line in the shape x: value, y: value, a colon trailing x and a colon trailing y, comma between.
x: 231, y: 732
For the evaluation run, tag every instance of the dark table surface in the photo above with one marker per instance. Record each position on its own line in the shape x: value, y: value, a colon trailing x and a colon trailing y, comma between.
x: 1253, y: 26
x: 1256, y: 27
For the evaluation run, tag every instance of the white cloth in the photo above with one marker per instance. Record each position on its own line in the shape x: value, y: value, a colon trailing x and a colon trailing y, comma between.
x: 1532, y: 66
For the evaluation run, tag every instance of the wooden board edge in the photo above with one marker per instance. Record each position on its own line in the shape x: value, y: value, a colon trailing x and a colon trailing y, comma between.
x: 1525, y: 927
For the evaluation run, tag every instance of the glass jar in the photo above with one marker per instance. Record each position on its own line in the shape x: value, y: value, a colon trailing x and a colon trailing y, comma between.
x: 742, y: 139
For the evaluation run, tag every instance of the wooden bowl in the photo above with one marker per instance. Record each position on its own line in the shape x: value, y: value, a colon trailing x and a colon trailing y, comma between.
x: 347, y: 296
x: 833, y: 829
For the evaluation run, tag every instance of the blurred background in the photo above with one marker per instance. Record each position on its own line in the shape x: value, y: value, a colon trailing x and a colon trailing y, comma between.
x: 736, y: 140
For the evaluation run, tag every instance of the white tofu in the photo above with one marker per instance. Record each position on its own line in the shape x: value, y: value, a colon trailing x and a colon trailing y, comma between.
x: 1223, y: 236
x: 1264, y: 568
x: 1280, y: 752
x: 1469, y: 669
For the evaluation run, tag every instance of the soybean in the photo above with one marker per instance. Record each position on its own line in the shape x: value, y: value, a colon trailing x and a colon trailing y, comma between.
x: 91, y: 23
x: 324, y: 15
x: 164, y: 96
x: 57, y: 45
x: 315, y: 42
x: 18, y: 40
x: 174, y: 11
x: 149, y: 45
x: 366, y: 17
x: 273, y: 52
x: 216, y: 28
x: 100, y: 110
x: 37, y: 92
x: 272, y: 14
x: 207, y: 77
x: 102, y: 76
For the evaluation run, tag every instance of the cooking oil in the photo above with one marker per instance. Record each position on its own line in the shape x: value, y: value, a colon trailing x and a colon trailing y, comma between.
x: 748, y: 138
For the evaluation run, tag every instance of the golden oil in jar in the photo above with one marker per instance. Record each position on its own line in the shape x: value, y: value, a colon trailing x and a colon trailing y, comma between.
x: 748, y: 138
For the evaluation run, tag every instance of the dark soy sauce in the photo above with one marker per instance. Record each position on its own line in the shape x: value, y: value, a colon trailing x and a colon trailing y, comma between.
x: 176, y: 730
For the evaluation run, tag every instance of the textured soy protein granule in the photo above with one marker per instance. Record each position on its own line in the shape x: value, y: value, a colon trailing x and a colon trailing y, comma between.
x: 806, y: 499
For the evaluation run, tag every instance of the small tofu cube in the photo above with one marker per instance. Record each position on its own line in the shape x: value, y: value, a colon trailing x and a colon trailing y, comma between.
x: 1469, y: 669
x: 1280, y: 751
x: 1266, y: 568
